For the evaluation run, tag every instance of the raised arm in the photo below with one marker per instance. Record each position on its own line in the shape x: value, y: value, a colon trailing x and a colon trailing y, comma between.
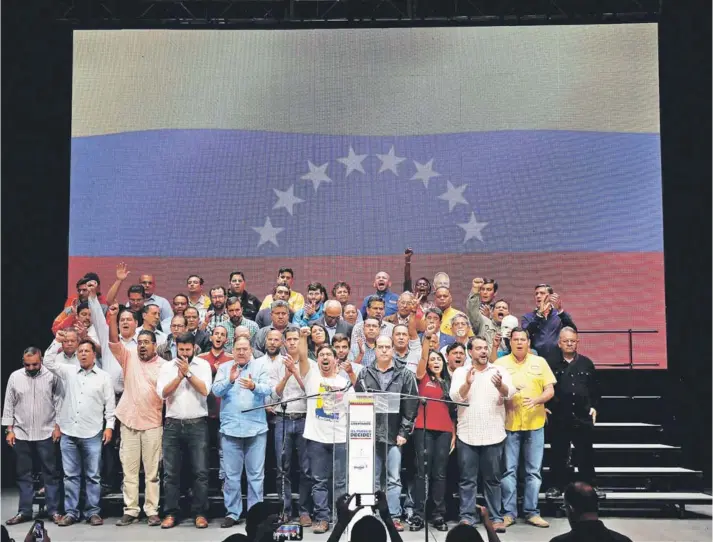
x: 302, y: 349
x: 50, y: 358
x: 122, y: 272
x: 408, y: 283
x: 425, y: 351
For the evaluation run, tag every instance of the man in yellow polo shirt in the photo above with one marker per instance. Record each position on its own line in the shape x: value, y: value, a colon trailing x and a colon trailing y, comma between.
x: 525, y: 426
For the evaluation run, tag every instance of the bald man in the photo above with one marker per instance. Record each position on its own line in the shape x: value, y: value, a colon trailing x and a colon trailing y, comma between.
x: 382, y: 283
x: 333, y: 320
x: 150, y: 297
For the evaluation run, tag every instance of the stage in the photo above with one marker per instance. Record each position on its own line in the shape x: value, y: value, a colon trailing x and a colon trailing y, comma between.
x: 695, y: 528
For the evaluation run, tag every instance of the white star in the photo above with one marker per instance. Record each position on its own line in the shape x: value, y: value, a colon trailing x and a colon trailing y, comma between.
x: 268, y: 233
x: 454, y: 195
x: 424, y: 172
x: 317, y: 174
x: 473, y: 228
x: 287, y: 199
x: 353, y: 162
x: 390, y: 161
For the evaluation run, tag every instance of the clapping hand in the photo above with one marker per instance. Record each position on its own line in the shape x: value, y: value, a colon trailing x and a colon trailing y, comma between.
x: 182, y: 364
x: 497, y: 380
x: 556, y: 301
x: 247, y: 383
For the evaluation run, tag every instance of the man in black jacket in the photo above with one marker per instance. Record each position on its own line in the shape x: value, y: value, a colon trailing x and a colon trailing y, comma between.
x: 392, y: 430
x: 249, y: 302
x: 574, y: 411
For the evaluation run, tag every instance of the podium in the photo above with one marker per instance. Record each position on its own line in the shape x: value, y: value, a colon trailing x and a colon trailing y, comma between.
x: 366, y: 416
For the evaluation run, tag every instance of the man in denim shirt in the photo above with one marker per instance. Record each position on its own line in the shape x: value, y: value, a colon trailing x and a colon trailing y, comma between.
x: 241, y: 385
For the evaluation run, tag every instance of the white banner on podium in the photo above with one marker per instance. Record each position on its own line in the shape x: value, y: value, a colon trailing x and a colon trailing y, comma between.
x: 360, y: 447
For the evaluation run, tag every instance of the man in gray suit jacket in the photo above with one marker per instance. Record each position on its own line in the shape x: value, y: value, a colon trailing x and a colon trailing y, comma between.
x: 333, y: 321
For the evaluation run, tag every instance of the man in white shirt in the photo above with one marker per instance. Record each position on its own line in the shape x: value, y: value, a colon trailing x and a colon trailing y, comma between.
x: 185, y: 383
x: 64, y: 347
x: 87, y: 404
x: 325, y: 427
x: 287, y: 384
x: 481, y: 430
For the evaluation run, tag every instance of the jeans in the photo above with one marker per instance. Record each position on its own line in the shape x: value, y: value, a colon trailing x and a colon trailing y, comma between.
x: 81, y: 456
x: 488, y: 461
x: 393, y: 475
x: 294, y: 430
x: 434, y: 446
x: 328, y: 463
x: 193, y: 438
x: 239, y: 451
x: 562, y: 433
x: 24, y: 450
x: 532, y: 444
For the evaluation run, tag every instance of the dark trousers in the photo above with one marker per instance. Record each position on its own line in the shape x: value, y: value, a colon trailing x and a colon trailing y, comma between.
x: 434, y: 446
x: 185, y: 439
x: 294, y: 441
x: 45, y: 450
x: 563, y: 433
x: 328, y: 468
x: 488, y: 462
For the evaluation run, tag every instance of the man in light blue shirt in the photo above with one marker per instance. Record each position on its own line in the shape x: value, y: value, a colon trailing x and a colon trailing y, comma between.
x: 241, y: 385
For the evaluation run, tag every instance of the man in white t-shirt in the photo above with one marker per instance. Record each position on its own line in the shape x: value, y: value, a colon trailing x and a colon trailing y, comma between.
x: 325, y: 427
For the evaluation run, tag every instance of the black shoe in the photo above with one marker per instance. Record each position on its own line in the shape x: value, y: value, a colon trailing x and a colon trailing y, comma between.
x: 440, y: 524
x: 415, y: 523
x: 229, y: 522
x: 553, y: 493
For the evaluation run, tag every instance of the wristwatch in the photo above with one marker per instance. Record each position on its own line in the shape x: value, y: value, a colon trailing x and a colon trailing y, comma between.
x: 189, y: 374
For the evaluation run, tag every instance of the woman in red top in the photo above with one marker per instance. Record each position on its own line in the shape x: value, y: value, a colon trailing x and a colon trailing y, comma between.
x: 436, y: 439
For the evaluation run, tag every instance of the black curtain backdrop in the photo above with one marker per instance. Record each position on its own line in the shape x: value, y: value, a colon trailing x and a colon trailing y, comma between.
x: 36, y: 116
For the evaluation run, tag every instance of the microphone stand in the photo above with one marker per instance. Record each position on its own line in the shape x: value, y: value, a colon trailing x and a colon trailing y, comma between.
x: 283, y: 407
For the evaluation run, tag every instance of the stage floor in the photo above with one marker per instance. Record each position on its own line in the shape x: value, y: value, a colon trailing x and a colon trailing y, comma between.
x: 694, y: 529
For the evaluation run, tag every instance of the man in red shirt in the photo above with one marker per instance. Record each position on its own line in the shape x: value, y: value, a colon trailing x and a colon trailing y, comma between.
x: 216, y: 356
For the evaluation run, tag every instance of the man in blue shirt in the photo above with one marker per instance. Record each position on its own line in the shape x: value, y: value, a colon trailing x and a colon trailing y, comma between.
x: 382, y: 283
x: 545, y: 323
x: 241, y: 385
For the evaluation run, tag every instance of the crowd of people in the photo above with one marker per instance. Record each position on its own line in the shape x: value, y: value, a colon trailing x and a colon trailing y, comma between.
x: 180, y: 375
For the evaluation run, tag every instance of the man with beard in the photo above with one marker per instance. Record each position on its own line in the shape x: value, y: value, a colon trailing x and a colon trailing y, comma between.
x: 481, y: 431
x: 287, y: 384
x: 217, y: 313
x: 236, y: 318
x: 184, y: 383
x: 281, y: 292
x: 193, y: 320
x: 391, y: 429
x: 32, y: 399
x: 325, y: 428
x: 169, y: 349
x: 242, y: 385
x: 524, y: 426
x: 179, y: 305
x: 139, y: 412
x: 382, y: 283
x: 250, y: 303
x: 65, y: 343
x: 88, y: 401
x: 313, y: 308
x: 215, y: 357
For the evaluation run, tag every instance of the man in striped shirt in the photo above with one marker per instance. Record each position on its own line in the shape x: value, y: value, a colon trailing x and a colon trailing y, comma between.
x: 32, y: 402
